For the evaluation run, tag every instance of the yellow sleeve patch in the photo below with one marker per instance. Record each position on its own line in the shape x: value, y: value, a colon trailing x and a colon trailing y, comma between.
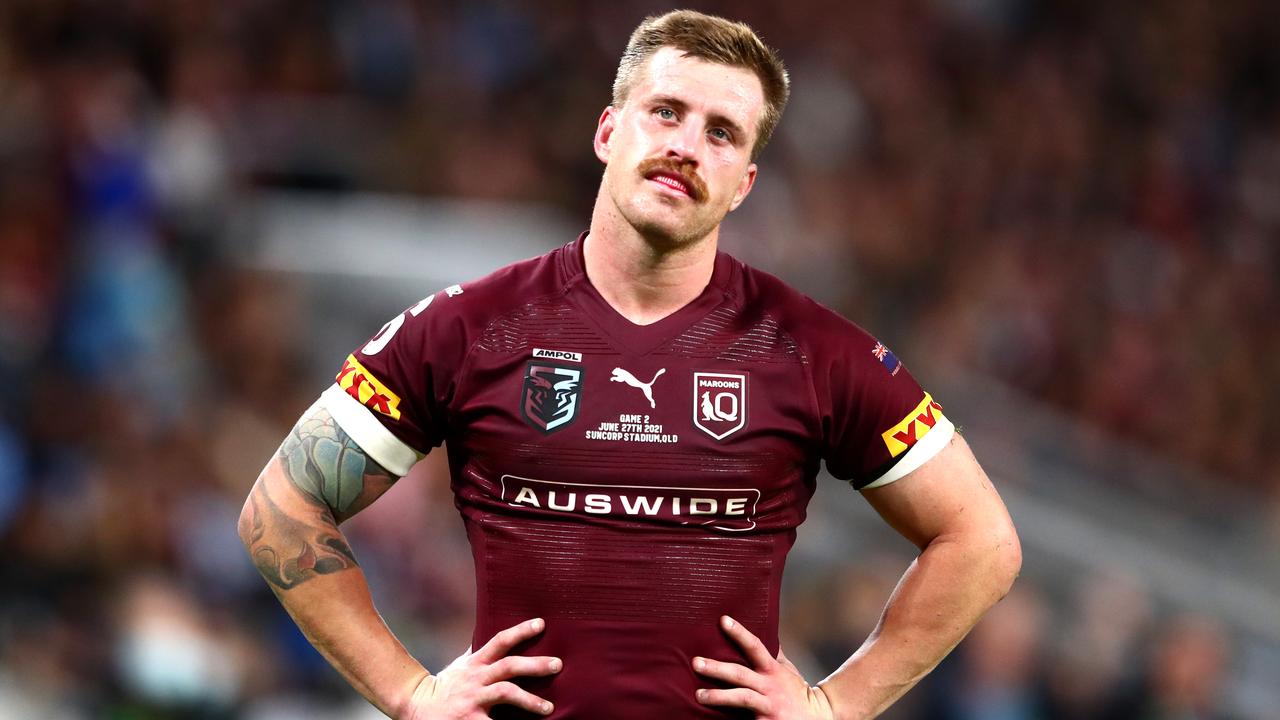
x: 914, y: 426
x: 368, y: 390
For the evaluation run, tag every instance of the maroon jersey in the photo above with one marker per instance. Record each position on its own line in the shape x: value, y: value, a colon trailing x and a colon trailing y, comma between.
x: 631, y: 484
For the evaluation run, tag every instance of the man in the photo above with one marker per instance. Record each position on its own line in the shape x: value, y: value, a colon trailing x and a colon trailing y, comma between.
x: 635, y: 423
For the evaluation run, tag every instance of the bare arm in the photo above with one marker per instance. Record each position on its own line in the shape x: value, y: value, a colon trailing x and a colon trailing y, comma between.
x: 971, y: 556
x: 289, y: 525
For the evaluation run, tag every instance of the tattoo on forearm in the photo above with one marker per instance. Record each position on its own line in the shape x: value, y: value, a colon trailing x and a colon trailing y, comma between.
x: 336, y: 479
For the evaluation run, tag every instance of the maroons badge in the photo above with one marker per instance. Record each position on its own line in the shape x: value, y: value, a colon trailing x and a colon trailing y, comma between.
x: 549, y: 398
x: 719, y: 403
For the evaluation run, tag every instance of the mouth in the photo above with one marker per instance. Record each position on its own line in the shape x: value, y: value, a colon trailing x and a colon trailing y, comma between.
x: 674, y: 181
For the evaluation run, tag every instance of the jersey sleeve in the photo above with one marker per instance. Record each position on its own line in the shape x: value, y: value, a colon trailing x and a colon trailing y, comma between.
x: 392, y: 394
x: 878, y: 423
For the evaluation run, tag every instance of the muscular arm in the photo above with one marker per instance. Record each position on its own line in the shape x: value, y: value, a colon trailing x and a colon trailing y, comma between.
x: 969, y: 560
x: 289, y: 525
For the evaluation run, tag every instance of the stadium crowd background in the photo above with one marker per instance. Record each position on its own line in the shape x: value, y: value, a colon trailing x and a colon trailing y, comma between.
x: 1080, y: 199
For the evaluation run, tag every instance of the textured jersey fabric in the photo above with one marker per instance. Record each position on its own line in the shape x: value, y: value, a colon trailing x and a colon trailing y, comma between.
x: 630, y: 483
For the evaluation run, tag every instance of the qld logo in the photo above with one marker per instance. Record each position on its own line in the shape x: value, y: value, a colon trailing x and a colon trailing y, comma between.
x: 549, y: 398
x: 719, y: 403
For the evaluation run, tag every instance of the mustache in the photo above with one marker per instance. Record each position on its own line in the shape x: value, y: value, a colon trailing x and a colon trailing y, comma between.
x: 683, y: 170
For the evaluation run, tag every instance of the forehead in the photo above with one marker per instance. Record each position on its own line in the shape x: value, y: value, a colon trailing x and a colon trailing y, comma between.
x: 713, y: 87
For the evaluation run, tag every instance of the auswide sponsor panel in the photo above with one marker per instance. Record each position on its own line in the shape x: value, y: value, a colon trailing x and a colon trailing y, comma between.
x: 719, y: 508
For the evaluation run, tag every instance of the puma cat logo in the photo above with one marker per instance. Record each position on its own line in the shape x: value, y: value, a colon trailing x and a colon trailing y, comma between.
x: 622, y: 376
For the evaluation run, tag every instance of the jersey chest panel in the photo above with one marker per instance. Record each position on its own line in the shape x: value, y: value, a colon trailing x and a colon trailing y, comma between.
x: 619, y: 439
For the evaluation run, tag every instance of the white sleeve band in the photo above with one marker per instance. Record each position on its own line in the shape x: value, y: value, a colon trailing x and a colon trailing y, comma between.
x: 928, y: 446
x: 375, y: 440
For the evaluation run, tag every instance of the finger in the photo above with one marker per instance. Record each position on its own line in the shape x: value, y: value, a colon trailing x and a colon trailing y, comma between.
x: 731, y: 673
x: 736, y: 697
x: 750, y: 644
x: 506, y: 693
x: 501, y: 644
x: 518, y: 666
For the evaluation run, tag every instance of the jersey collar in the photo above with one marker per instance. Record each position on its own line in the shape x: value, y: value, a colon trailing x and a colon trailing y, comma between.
x: 641, y: 339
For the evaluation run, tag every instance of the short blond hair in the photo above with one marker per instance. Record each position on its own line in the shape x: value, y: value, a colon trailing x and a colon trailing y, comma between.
x: 714, y: 39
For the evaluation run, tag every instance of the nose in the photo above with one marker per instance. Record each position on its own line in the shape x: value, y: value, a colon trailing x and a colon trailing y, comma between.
x: 683, y: 142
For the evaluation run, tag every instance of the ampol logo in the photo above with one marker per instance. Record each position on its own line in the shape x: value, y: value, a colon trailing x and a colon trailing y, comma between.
x: 719, y: 403
x: 545, y: 354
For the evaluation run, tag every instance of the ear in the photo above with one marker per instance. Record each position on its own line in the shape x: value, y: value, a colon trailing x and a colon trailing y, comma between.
x: 604, y: 133
x: 744, y: 187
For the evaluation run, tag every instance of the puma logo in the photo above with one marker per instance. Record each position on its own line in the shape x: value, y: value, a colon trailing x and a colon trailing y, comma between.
x: 622, y: 376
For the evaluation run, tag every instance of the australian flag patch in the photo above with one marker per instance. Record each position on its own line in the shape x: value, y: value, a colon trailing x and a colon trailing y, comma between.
x: 887, y: 358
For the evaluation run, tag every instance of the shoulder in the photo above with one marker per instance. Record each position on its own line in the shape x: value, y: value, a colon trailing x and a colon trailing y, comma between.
x: 814, y: 326
x: 473, y: 304
x: 510, y: 286
x: 443, y: 326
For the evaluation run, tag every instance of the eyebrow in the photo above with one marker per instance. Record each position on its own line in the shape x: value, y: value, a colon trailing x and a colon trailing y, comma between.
x: 676, y: 103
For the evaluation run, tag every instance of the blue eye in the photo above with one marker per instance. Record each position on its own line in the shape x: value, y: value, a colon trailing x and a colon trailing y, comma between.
x: 720, y: 134
x: 666, y: 113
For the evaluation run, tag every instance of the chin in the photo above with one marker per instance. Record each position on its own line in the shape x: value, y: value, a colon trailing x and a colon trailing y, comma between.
x: 660, y: 235
x: 672, y: 227
x: 663, y: 225
x: 667, y: 234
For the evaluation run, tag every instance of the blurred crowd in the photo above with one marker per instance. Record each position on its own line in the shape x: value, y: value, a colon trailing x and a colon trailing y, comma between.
x: 1079, y: 198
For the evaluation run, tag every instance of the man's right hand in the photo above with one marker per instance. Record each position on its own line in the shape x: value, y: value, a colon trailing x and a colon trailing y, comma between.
x: 478, y: 680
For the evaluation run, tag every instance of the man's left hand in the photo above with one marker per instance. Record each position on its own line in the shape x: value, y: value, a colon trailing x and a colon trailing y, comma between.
x: 772, y: 688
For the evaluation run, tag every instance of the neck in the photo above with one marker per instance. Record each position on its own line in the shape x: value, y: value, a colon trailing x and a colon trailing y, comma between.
x: 644, y: 280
